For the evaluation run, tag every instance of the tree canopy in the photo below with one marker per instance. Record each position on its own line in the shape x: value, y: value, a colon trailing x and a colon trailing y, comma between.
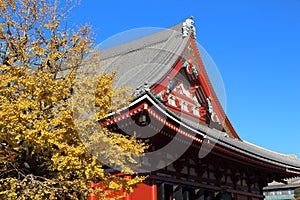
x: 42, y: 156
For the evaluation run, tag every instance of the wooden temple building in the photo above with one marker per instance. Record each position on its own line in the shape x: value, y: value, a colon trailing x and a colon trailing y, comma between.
x: 282, y: 191
x: 194, y: 153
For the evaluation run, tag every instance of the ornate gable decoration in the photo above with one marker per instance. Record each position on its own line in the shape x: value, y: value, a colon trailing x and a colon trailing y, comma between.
x: 185, y: 92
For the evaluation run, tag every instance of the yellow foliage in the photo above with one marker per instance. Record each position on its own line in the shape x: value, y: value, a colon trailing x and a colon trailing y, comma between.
x: 42, y: 156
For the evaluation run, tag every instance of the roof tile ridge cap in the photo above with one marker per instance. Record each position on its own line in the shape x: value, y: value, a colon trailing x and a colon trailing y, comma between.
x: 291, y: 156
x: 163, y: 30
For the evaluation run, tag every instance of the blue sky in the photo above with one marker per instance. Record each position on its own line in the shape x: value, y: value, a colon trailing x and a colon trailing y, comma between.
x: 255, y: 44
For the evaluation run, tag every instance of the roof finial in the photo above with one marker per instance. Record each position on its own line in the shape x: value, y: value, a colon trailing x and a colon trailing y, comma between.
x: 146, y: 86
x: 188, y: 26
x: 141, y: 90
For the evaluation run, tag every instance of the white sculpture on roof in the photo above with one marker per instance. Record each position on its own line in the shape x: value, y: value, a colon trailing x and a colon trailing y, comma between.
x: 188, y: 26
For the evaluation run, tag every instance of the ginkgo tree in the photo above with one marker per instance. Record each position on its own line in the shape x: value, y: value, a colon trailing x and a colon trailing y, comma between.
x: 42, y: 154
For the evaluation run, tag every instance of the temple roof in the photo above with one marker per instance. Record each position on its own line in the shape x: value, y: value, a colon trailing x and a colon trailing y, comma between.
x: 290, y: 183
x: 242, y: 147
x: 148, y: 60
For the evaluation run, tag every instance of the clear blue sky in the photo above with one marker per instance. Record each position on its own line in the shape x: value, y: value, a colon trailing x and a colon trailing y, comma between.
x: 255, y: 44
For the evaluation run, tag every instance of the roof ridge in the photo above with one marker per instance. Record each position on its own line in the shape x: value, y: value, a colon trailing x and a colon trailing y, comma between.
x: 140, y: 43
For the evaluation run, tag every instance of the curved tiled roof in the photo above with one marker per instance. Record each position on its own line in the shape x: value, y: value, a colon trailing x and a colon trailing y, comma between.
x: 149, y: 59
x: 243, y: 147
x: 144, y: 60
x: 290, y: 183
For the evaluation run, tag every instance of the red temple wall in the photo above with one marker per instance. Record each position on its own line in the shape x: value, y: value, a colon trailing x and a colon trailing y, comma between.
x: 145, y: 191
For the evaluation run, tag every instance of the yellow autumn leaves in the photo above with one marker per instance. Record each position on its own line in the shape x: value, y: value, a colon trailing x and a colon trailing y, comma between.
x: 41, y: 153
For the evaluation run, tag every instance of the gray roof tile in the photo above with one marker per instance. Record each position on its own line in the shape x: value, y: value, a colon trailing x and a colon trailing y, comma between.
x: 144, y: 60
